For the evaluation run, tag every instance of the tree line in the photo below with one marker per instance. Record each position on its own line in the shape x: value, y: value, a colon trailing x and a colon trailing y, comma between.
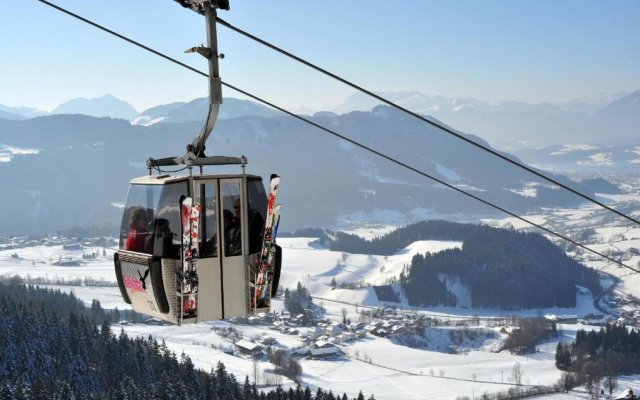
x: 53, y: 347
x: 502, y: 269
x: 613, y: 350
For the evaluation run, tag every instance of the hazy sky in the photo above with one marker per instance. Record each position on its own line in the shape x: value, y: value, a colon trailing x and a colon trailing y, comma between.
x: 530, y: 51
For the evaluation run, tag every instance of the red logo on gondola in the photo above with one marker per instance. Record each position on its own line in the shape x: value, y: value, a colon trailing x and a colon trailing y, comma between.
x: 133, y: 284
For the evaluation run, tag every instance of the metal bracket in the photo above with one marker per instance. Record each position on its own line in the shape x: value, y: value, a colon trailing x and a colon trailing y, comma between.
x: 205, y: 52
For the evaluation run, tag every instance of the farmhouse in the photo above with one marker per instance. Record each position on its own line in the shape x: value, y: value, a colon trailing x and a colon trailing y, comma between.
x: 248, y: 347
x: 323, y: 349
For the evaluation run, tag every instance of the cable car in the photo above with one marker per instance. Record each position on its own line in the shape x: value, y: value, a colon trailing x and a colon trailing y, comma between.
x: 191, y: 245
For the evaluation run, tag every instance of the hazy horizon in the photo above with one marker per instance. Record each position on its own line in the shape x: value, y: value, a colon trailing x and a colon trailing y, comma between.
x: 530, y: 52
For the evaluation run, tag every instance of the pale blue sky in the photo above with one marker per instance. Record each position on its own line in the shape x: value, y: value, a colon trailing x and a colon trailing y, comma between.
x: 530, y: 51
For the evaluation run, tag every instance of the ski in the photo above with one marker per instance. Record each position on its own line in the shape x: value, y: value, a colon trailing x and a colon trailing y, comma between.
x: 190, y: 218
x: 266, y: 257
x: 265, y: 290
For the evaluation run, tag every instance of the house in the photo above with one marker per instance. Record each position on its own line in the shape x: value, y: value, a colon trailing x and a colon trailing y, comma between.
x: 323, y: 349
x: 324, y: 352
x: 346, y: 336
x: 397, y: 329
x: 568, y: 319
x: 304, y: 336
x: 334, y: 330
x: 335, y: 340
x: 354, y: 326
x: 71, y: 245
x: 302, y: 351
x: 388, y: 324
x: 370, y: 328
x: 380, y: 332
x: 278, y: 325
x: 248, y: 347
x: 67, y: 262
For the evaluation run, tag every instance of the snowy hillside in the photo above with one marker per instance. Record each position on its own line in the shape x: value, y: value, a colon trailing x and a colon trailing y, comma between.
x: 457, y: 359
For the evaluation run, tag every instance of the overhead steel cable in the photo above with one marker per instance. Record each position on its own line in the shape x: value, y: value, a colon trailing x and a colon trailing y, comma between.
x: 423, y: 119
x: 355, y: 143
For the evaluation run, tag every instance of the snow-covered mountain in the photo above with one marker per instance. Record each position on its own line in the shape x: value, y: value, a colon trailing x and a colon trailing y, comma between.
x: 105, y: 106
x: 90, y: 162
x: 518, y: 125
x: 625, y: 109
x: 7, y: 112
x: 196, y: 110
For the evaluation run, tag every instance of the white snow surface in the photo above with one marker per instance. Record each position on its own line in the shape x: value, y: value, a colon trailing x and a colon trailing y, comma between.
x: 7, y: 152
x: 145, y: 120
x: 566, y: 149
x: 448, y: 173
x: 597, y: 159
x: 392, y: 370
x: 529, y: 190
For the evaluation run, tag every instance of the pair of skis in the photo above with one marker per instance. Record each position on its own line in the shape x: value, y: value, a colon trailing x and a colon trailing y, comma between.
x: 265, y: 273
x: 190, y: 218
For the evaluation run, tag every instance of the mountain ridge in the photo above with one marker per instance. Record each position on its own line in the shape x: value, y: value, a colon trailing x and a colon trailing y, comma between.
x: 87, y: 162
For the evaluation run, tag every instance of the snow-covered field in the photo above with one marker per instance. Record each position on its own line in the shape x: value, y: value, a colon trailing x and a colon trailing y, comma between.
x: 373, y: 364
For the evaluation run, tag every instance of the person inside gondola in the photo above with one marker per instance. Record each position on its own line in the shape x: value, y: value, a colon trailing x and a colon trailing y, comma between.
x: 162, y: 240
x: 137, y: 239
x: 256, y: 230
x: 232, y: 233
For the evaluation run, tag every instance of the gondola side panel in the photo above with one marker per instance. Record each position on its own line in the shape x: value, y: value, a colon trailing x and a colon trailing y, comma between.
x: 152, y: 285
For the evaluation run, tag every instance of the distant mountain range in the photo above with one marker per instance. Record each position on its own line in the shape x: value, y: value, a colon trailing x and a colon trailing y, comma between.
x: 196, y: 110
x: 105, y: 106
x: 112, y: 107
x: 603, y: 119
x: 7, y: 112
x: 66, y: 170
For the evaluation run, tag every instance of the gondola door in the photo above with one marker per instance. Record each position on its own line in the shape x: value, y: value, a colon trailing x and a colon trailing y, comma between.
x: 234, y: 270
x: 209, y: 300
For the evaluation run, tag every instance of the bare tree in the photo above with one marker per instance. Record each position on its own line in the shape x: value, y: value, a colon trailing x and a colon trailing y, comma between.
x: 567, y: 381
x: 256, y: 370
x: 344, y: 315
x: 516, y: 373
x: 611, y: 382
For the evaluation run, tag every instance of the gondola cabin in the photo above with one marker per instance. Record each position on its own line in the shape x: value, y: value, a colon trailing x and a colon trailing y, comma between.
x: 199, y: 247
x: 217, y: 279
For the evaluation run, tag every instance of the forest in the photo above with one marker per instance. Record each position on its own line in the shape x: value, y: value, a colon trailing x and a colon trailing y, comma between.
x: 613, y: 350
x: 53, y: 347
x: 502, y: 268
